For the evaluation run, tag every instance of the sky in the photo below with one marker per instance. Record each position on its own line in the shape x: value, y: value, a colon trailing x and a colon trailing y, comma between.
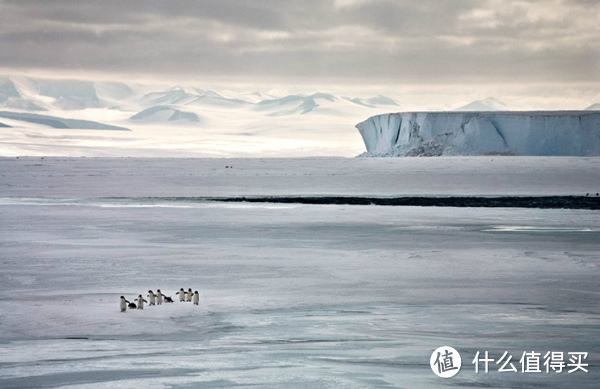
x: 344, y: 42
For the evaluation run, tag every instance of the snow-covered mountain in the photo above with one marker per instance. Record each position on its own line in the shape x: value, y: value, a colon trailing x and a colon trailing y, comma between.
x: 176, y: 120
x: 36, y: 94
x: 175, y: 95
x: 70, y: 94
x: 482, y: 133
x: 182, y: 96
x: 57, y: 122
x: 32, y: 94
x: 7, y: 90
x: 593, y: 107
x: 209, y: 97
x: 15, y: 97
x: 165, y: 113
x: 487, y: 104
x: 374, y: 101
x: 295, y: 104
x: 320, y: 102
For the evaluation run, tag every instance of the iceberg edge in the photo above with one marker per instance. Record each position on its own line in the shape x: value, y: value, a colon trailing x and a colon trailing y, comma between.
x: 532, y: 133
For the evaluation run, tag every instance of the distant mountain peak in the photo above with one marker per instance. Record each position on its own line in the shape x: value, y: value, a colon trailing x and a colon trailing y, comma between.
x: 165, y: 113
x: 11, y: 96
x: 371, y: 102
x: 487, y: 104
x: 593, y: 107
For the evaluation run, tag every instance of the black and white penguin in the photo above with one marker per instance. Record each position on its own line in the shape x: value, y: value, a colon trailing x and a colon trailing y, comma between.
x: 188, y: 295
x: 123, y: 304
x: 196, y: 298
x: 131, y: 305
x: 168, y: 299
x: 159, y: 297
x: 152, y: 297
x: 181, y: 294
x: 140, y: 302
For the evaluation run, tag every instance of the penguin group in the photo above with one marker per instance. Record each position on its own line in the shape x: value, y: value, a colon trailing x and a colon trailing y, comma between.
x: 188, y: 296
x: 158, y: 298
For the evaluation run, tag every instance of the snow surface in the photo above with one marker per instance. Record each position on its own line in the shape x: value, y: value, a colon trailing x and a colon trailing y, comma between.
x: 482, y: 133
x: 291, y: 295
x: 190, y: 177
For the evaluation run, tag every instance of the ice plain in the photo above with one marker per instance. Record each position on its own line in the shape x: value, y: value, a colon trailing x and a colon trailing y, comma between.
x: 291, y: 295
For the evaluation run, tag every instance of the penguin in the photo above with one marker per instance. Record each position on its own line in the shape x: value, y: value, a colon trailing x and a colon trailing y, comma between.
x: 152, y: 297
x: 131, y: 306
x: 168, y: 299
x: 181, y: 294
x: 123, y: 304
x: 188, y: 295
x: 159, y: 297
x: 196, y: 298
x: 140, y: 302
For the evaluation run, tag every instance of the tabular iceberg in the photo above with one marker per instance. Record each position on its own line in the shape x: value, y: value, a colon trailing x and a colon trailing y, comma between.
x: 482, y: 133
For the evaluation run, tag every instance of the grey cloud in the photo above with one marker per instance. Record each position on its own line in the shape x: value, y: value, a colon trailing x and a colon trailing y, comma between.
x: 403, y: 41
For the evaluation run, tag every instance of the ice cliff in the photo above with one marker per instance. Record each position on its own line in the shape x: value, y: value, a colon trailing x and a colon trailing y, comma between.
x: 482, y: 133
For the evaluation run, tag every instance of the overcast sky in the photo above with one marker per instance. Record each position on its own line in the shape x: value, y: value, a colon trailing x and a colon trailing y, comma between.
x: 432, y: 41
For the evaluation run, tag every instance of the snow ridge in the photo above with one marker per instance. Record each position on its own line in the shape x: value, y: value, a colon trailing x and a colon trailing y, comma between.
x: 165, y: 113
x: 59, y: 122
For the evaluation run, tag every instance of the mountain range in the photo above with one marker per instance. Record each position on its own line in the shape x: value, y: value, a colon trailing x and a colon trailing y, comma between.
x: 36, y: 95
x: 42, y: 117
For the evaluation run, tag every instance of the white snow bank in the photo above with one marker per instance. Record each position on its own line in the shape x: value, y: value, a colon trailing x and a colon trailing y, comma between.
x: 482, y: 133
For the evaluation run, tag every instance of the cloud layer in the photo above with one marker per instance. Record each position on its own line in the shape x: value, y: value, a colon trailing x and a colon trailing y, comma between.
x: 350, y: 40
